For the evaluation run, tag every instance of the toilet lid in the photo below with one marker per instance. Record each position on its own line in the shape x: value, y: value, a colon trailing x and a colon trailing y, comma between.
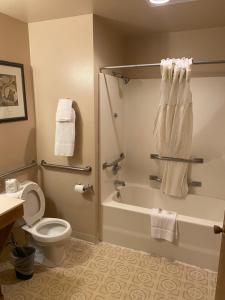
x: 34, y: 205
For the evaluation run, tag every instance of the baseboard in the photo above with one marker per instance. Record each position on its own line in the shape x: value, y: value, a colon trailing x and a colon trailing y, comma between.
x: 84, y: 236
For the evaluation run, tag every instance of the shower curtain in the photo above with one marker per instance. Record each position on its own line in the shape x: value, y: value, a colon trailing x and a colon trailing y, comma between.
x: 174, y: 124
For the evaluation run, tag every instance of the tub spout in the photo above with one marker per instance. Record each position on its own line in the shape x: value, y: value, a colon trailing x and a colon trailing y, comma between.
x: 118, y: 183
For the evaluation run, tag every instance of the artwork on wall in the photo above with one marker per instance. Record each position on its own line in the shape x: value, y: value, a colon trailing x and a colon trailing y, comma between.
x: 13, y: 105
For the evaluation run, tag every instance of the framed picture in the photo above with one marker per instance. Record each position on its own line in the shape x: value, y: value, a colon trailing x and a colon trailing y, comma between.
x: 13, y: 105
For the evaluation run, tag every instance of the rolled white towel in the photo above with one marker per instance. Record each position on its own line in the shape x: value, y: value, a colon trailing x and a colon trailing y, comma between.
x: 64, y: 110
x: 163, y: 224
x: 65, y: 137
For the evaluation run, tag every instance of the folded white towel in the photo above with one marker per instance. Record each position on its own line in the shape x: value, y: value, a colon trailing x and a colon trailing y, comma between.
x: 64, y: 110
x: 163, y: 224
x: 65, y: 137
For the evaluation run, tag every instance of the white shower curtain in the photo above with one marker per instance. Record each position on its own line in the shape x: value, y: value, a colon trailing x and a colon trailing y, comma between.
x: 174, y: 124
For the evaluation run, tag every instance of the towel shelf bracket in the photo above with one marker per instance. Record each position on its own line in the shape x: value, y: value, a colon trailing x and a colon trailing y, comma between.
x: 192, y: 160
x: 69, y: 168
x: 159, y: 179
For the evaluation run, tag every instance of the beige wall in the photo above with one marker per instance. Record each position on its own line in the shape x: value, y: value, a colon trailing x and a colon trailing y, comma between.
x: 137, y: 102
x: 141, y: 103
x: 66, y: 55
x: 17, y: 142
x: 132, y: 132
x: 108, y: 50
x: 62, y: 58
x: 200, y: 44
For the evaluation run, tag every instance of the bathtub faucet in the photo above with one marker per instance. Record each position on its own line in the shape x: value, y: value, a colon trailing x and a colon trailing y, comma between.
x: 118, y: 183
x: 115, y: 164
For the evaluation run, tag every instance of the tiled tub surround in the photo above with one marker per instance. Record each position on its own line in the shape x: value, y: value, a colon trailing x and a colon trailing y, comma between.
x: 106, y: 272
x: 126, y: 222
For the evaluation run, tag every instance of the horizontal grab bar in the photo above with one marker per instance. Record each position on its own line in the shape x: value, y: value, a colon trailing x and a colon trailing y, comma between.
x: 6, y: 174
x: 114, y: 163
x: 69, y: 168
x: 159, y: 179
x: 191, y: 160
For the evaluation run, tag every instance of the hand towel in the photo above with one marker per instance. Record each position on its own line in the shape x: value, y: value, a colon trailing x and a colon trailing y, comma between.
x: 65, y: 136
x: 64, y: 110
x: 163, y: 224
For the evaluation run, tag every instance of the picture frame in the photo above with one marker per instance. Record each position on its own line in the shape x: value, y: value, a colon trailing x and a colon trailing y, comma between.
x: 13, y: 105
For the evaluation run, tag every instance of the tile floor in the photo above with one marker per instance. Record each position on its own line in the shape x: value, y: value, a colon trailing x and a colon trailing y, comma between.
x: 107, y: 272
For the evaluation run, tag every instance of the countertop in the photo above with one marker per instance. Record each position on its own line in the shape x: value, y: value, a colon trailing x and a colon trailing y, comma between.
x: 8, y: 203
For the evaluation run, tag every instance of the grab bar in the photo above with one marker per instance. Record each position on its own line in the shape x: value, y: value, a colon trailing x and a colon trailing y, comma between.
x: 114, y: 163
x: 159, y: 179
x: 6, y: 174
x: 69, y: 168
x: 192, y: 160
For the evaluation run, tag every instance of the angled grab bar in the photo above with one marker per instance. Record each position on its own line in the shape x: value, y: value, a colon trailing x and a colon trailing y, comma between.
x: 6, y: 174
x: 191, y: 160
x: 69, y: 168
x: 114, y: 163
x: 159, y: 179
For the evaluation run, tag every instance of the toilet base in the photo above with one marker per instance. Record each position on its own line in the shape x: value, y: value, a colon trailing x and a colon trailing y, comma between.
x: 50, y: 255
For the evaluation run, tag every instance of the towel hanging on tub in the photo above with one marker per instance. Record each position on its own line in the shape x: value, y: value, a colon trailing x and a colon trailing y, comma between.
x: 163, y: 225
x: 174, y: 124
x: 65, y: 128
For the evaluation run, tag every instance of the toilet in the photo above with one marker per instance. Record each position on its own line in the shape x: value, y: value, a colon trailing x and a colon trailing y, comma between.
x: 47, y: 235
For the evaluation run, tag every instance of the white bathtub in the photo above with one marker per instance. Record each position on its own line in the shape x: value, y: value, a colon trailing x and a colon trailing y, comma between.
x: 126, y: 222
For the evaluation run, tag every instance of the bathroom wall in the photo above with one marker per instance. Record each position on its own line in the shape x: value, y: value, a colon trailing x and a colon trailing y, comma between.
x: 132, y: 131
x: 138, y: 102
x: 208, y: 98
x: 200, y: 44
x: 62, y: 59
x: 17, y: 142
x: 141, y: 103
x: 109, y: 45
x: 112, y: 141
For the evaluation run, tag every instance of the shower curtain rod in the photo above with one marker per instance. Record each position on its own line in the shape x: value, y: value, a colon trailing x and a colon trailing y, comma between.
x: 200, y: 62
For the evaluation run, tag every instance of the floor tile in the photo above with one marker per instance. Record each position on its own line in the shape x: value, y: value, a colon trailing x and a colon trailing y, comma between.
x: 110, y: 272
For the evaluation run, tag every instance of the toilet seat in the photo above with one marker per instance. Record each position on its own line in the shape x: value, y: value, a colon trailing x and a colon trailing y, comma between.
x: 49, y: 230
x: 45, y: 230
x: 47, y: 235
x: 34, y: 205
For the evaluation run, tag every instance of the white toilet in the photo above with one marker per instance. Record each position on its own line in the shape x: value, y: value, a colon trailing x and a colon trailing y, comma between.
x: 47, y: 235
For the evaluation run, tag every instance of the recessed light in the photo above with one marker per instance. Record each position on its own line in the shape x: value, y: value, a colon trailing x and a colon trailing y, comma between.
x: 158, y: 2
x: 168, y: 2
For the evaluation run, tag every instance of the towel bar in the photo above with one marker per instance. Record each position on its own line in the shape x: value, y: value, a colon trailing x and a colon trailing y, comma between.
x: 69, y: 168
x: 191, y: 160
x: 159, y: 179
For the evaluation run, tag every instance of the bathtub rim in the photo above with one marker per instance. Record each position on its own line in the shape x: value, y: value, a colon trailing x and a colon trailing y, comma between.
x: 110, y: 202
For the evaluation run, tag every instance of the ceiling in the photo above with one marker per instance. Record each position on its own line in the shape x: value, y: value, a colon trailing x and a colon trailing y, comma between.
x: 129, y: 15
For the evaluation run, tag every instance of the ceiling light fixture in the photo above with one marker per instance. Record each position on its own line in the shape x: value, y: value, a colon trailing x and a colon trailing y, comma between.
x: 158, y: 2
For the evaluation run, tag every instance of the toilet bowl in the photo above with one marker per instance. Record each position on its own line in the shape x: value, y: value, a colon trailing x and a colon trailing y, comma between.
x: 47, y: 235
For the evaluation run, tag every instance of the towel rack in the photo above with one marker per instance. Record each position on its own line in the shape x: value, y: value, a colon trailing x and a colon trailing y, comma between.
x: 69, y: 168
x: 192, y: 160
x: 159, y: 179
x: 6, y: 174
